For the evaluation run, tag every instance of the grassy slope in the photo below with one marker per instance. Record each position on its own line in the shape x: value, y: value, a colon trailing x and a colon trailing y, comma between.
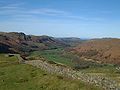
x: 63, y: 57
x: 53, y: 55
x: 106, y: 70
x: 14, y: 76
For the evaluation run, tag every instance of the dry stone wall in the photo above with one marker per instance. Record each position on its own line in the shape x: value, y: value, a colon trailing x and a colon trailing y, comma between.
x: 106, y: 83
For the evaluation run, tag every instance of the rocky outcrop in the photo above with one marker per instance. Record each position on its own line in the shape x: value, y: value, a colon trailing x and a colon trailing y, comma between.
x: 104, y: 82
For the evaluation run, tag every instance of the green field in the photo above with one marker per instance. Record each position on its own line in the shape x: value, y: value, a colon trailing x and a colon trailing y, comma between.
x: 63, y: 57
x: 15, y: 76
x: 56, y: 55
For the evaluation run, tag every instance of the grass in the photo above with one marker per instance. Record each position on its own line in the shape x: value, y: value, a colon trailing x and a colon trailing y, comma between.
x: 15, y: 76
x: 63, y: 57
x: 109, y: 71
x: 106, y: 70
x: 4, y: 58
x: 53, y: 55
x: 89, y: 67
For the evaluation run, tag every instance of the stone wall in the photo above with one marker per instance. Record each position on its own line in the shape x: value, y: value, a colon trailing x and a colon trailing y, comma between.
x: 104, y: 82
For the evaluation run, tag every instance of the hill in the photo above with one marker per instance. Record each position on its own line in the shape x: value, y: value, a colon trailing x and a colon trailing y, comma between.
x: 105, y: 50
x: 15, y: 42
x: 72, y: 41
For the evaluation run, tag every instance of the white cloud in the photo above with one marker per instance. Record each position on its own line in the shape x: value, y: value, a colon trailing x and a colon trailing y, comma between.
x: 14, y: 6
x: 17, y: 11
x: 47, y: 11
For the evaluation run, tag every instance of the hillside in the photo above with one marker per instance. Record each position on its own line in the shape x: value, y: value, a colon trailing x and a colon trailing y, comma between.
x: 15, y: 42
x: 16, y: 76
x: 72, y: 41
x: 103, y: 50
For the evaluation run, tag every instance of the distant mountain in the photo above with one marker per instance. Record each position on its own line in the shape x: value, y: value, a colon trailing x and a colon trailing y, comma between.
x: 105, y: 50
x: 21, y: 43
x: 72, y: 41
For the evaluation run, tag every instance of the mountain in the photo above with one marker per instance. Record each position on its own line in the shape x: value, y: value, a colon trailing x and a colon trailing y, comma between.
x: 106, y: 50
x: 14, y: 42
x: 72, y: 41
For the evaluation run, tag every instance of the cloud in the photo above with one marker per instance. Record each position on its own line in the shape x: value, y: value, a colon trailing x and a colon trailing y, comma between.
x: 9, y: 7
x: 47, y: 11
x: 16, y: 10
x: 77, y: 17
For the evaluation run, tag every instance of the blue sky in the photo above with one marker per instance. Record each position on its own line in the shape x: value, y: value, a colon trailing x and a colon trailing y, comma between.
x: 62, y: 18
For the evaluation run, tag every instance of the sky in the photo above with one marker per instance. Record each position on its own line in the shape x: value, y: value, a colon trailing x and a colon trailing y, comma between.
x: 62, y: 18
